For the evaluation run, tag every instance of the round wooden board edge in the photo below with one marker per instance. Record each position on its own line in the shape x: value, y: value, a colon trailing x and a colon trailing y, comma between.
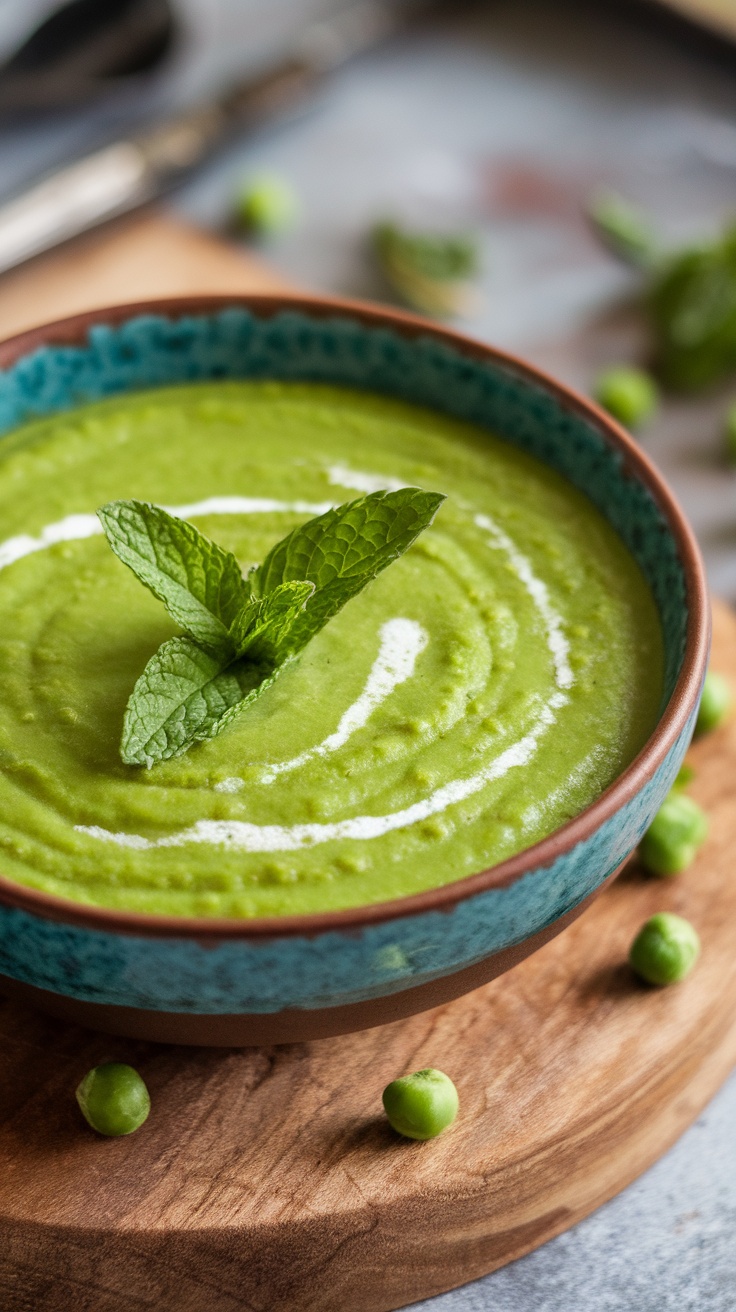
x: 405, y: 1224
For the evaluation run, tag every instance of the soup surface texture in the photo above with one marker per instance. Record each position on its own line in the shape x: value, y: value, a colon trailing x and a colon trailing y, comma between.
x: 483, y: 690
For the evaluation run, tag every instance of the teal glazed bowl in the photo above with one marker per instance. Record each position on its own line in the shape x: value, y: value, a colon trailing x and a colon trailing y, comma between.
x: 226, y: 982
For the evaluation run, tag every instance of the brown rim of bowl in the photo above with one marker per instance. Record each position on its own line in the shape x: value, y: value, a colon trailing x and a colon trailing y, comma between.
x: 73, y: 331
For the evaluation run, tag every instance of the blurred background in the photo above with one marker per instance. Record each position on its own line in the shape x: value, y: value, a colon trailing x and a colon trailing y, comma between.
x: 515, y: 151
x: 499, y: 121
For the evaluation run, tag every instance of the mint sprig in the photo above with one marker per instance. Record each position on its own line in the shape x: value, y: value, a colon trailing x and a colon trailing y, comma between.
x: 341, y: 551
x: 201, y: 586
x: 262, y: 628
x: 241, y: 632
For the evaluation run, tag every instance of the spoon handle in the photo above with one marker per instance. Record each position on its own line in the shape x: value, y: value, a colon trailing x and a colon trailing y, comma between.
x: 122, y: 176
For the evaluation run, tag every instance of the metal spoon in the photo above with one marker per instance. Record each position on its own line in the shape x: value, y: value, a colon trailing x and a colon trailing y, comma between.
x: 84, y: 49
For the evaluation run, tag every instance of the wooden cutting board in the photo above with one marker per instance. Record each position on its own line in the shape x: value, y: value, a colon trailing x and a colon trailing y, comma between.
x: 716, y: 16
x: 128, y: 261
x: 267, y: 1179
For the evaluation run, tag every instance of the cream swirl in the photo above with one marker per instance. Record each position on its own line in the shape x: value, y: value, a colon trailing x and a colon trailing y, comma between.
x: 401, y: 642
x: 75, y: 527
x: 242, y: 836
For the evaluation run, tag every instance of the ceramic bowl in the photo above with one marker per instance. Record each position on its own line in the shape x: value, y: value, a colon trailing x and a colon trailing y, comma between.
x: 295, y: 978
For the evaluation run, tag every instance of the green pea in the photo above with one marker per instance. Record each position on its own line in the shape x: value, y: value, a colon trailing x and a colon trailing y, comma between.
x: 715, y: 703
x: 266, y: 206
x: 113, y: 1099
x: 729, y: 432
x: 685, y: 776
x: 665, y: 949
x: 629, y: 394
x: 672, y: 840
x: 422, y: 1105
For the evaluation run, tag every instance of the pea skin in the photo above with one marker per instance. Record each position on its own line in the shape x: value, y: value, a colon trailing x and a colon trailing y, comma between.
x: 113, y: 1099
x: 685, y: 776
x: 715, y: 703
x: 266, y: 207
x: 422, y: 1105
x: 678, y: 829
x: 629, y: 394
x: 665, y: 949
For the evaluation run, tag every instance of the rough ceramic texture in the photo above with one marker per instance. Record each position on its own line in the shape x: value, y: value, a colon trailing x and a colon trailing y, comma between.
x: 150, y: 351
x: 333, y: 968
x: 337, y: 967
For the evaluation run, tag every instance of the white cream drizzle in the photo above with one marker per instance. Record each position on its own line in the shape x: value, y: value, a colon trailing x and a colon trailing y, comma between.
x: 242, y: 836
x: 535, y: 813
x: 556, y: 641
x: 231, y: 785
x: 74, y: 527
x: 360, y: 481
x: 65, y: 530
x: 559, y: 648
x: 402, y: 641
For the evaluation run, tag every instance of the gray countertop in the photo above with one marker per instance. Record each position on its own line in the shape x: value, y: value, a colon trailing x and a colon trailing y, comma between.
x: 502, y: 118
x: 667, y: 1244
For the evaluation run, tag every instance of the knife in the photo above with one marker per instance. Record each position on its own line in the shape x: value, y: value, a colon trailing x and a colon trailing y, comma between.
x: 122, y: 176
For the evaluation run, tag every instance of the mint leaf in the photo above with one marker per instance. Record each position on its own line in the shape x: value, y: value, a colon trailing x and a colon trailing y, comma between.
x: 243, y: 632
x: 624, y: 229
x: 200, y: 584
x: 343, y: 550
x: 432, y: 272
x: 261, y: 629
x: 185, y: 696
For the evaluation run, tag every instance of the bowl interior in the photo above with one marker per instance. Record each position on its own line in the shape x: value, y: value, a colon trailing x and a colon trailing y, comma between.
x: 317, y: 344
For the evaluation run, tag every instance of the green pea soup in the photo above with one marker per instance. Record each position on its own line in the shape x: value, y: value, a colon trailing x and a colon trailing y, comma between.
x: 485, y: 689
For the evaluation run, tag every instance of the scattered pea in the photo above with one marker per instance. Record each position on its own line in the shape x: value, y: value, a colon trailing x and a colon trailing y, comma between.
x: 422, y: 1105
x: 665, y: 949
x: 266, y: 206
x: 629, y: 394
x: 113, y: 1099
x: 729, y: 432
x: 715, y: 703
x: 674, y: 836
x: 685, y: 776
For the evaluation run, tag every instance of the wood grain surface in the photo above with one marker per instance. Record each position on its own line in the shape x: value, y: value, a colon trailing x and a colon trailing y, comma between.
x: 717, y: 16
x: 148, y: 256
x: 267, y: 1179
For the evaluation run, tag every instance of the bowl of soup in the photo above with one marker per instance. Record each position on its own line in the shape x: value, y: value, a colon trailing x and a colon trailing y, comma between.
x: 456, y: 764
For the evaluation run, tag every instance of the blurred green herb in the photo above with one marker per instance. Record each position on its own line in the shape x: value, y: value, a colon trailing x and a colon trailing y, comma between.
x: 623, y: 228
x: 690, y: 299
x: 430, y: 272
x: 692, y: 303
